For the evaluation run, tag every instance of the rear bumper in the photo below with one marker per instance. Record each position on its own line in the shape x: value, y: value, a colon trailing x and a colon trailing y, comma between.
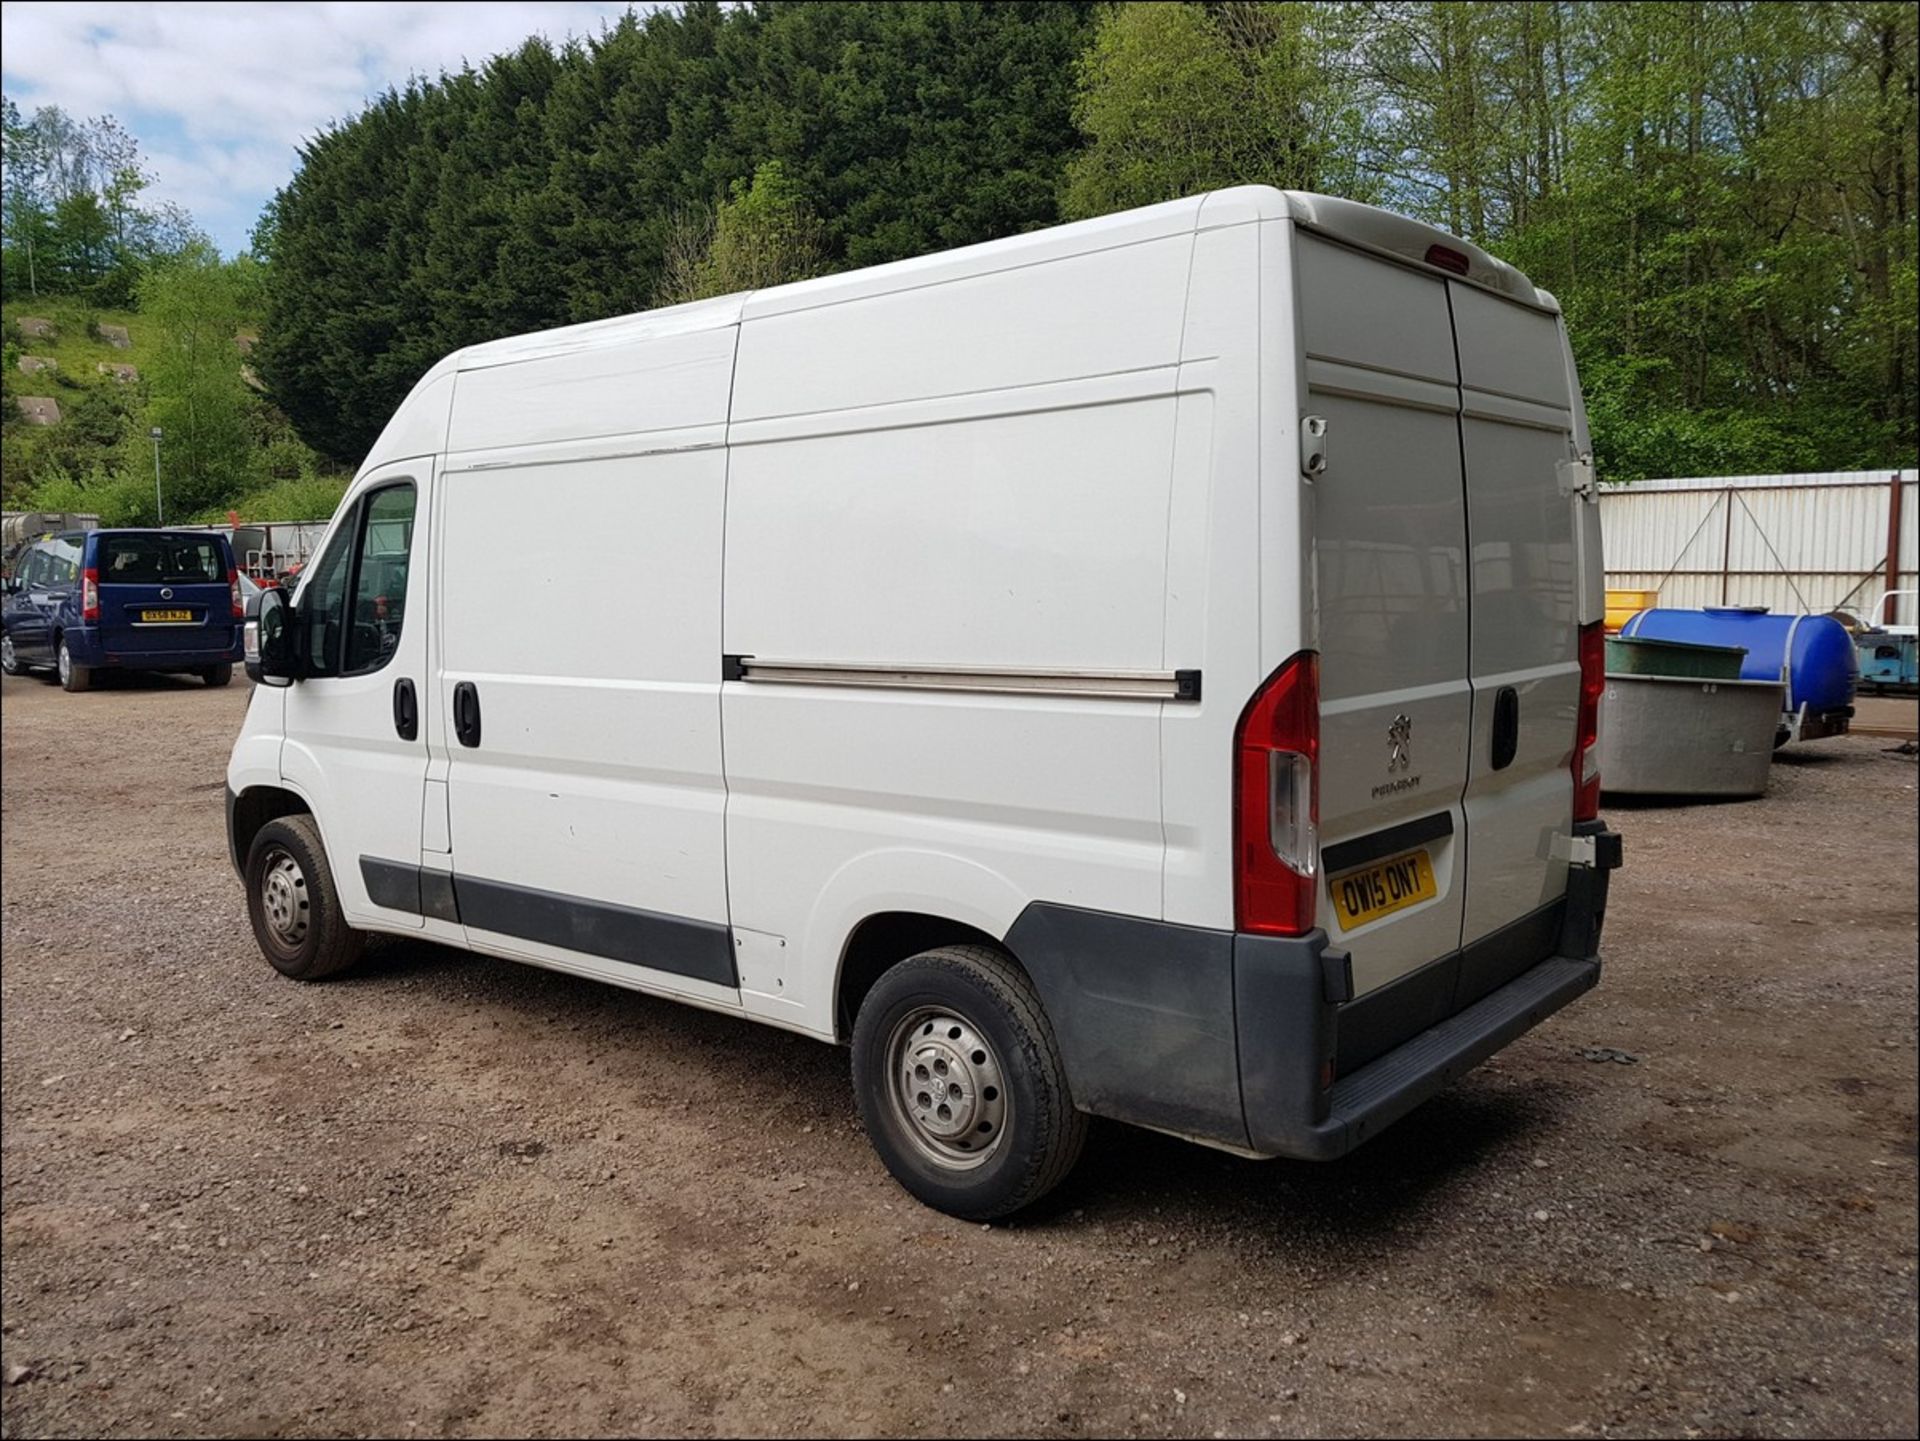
x: 1289, y: 1113
x: 218, y: 645
x: 1233, y: 1039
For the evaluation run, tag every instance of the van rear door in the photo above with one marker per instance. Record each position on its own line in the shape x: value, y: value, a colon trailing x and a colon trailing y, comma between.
x: 1516, y: 429
x: 164, y: 591
x: 1390, y: 549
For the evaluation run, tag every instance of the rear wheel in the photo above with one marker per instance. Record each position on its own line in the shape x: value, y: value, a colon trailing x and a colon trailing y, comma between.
x: 293, y: 904
x: 217, y: 674
x: 73, y: 675
x: 960, y: 1083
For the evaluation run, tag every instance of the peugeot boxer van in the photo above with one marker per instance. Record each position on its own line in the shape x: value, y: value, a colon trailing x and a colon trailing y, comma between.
x: 1147, y: 668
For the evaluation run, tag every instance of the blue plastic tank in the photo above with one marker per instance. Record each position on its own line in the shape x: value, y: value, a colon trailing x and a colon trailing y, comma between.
x: 1813, y: 654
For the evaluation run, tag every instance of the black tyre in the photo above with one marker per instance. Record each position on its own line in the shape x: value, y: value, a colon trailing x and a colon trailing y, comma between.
x: 9, y: 662
x: 960, y: 1084
x: 217, y: 674
x: 293, y: 904
x: 73, y: 675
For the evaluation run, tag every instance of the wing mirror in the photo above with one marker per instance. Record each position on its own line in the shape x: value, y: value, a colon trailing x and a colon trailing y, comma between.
x: 269, y: 636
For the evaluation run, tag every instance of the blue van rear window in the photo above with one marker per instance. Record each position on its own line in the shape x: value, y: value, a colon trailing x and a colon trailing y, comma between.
x: 159, y: 560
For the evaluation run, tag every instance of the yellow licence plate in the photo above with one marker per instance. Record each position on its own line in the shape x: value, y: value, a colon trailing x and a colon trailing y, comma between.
x: 1380, y: 890
x: 166, y: 617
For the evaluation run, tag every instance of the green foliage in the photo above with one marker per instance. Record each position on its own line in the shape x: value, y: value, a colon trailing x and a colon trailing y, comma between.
x: 1177, y: 99
x: 70, y: 212
x: 549, y: 187
x: 302, y: 497
x: 1722, y: 195
x: 197, y: 396
x: 117, y: 497
x: 764, y: 233
x: 99, y: 455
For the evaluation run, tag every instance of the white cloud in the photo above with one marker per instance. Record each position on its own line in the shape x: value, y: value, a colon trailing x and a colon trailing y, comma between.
x: 220, y: 94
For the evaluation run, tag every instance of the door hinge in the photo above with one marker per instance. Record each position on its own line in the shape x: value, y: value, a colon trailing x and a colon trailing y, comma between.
x: 1575, y: 850
x: 1575, y: 477
x: 1313, y: 446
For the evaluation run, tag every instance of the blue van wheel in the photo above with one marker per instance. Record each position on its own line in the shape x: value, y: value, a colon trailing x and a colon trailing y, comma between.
x: 73, y: 675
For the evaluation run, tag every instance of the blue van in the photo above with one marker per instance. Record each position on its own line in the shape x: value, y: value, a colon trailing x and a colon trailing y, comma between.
x: 166, y: 600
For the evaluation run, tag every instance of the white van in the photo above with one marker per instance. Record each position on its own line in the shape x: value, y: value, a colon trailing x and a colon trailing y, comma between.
x: 1146, y: 668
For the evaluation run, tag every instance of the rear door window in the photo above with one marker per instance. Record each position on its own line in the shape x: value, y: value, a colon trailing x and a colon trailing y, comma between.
x: 160, y: 560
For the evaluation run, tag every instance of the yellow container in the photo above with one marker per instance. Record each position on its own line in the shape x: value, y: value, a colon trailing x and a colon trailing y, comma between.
x: 1623, y: 605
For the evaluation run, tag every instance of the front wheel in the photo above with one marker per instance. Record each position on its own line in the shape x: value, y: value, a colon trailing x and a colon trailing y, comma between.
x: 293, y: 904
x: 961, y: 1086
x: 73, y: 675
x: 9, y: 662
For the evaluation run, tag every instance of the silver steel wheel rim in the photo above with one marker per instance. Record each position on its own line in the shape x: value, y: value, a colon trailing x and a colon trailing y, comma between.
x: 283, y: 899
x: 946, y: 1087
x: 66, y: 663
x: 7, y: 662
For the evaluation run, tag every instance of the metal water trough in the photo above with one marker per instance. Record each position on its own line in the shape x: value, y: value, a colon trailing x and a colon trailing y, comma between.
x: 1683, y: 736
x: 1677, y: 719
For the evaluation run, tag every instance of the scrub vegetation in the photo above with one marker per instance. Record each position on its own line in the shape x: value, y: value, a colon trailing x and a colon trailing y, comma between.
x: 1721, y: 194
x: 127, y: 285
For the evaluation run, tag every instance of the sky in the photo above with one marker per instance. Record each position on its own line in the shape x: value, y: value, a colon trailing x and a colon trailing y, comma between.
x: 220, y: 94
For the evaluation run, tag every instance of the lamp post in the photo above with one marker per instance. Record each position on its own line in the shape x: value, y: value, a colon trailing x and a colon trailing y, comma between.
x: 159, y: 507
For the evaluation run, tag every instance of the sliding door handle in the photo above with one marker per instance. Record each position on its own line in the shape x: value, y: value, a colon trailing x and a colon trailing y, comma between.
x: 466, y: 713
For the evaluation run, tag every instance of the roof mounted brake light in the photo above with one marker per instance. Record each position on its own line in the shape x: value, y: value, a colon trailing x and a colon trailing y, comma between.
x: 1442, y: 258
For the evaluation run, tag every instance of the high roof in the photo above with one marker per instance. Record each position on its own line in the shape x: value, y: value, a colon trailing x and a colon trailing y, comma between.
x: 1364, y: 225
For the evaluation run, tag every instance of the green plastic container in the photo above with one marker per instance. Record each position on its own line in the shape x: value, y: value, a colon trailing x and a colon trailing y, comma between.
x: 1630, y: 655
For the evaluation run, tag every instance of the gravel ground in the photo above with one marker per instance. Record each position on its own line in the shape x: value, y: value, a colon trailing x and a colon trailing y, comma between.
x: 449, y: 1195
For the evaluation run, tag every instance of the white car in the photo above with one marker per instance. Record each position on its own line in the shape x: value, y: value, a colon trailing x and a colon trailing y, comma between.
x: 1146, y: 668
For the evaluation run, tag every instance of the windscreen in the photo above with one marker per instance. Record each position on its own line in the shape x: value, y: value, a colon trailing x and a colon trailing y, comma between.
x: 160, y: 560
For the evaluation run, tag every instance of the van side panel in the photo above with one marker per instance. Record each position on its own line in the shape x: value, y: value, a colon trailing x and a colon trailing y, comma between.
x: 922, y: 511
x: 1225, y: 510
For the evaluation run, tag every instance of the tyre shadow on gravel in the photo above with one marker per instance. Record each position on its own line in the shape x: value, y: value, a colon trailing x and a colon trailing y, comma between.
x: 149, y: 680
x: 1384, y: 1194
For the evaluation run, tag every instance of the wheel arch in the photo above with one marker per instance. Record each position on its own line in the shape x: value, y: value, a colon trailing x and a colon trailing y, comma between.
x: 885, y: 939
x: 251, y: 809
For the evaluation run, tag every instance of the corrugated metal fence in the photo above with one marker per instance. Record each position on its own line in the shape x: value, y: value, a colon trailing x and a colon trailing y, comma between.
x: 1809, y: 543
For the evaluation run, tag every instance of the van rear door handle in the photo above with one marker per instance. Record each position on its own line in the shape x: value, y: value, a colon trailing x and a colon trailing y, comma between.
x: 466, y: 714
x: 1506, y: 726
x: 406, y: 709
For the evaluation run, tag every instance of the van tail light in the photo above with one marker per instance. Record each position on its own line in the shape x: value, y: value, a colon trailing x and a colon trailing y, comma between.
x: 233, y: 591
x: 1443, y: 257
x: 89, y: 594
x: 1276, y: 802
x: 1586, y: 736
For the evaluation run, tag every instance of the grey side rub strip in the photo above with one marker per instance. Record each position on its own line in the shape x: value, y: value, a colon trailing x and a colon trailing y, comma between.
x: 702, y: 950
x: 1177, y: 685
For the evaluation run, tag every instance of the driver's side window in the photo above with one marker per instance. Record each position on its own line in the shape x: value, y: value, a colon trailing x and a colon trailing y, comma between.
x: 353, y: 606
x: 322, y: 609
